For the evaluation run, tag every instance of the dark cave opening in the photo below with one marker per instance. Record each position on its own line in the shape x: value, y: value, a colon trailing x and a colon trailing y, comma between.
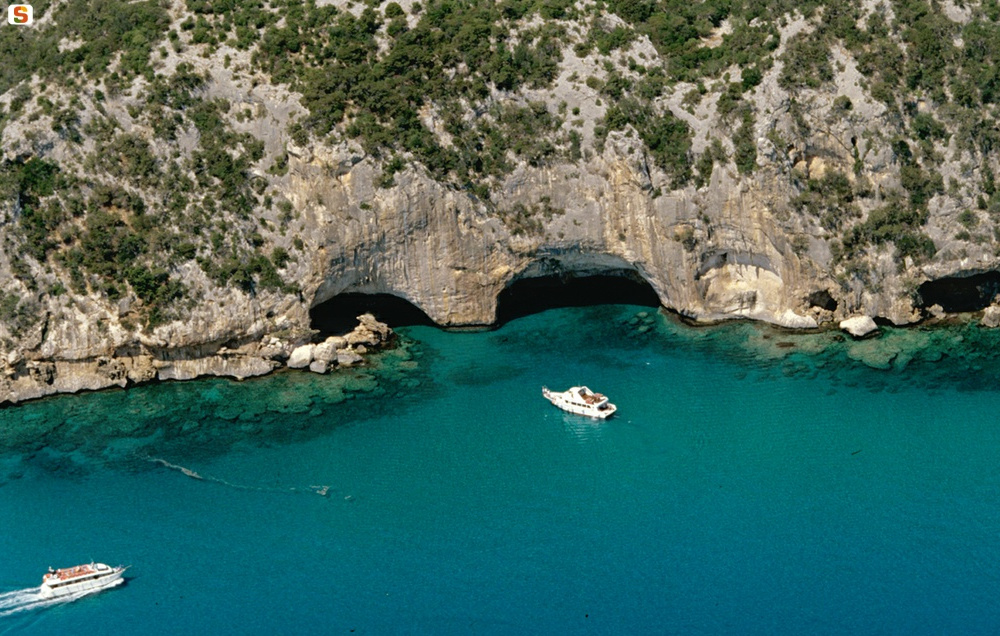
x: 960, y: 293
x: 822, y: 299
x: 532, y: 295
x: 339, y: 315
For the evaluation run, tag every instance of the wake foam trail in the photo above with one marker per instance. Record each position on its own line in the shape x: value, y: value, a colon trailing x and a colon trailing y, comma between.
x: 29, y: 599
x: 186, y: 471
x: 322, y: 491
x: 11, y: 599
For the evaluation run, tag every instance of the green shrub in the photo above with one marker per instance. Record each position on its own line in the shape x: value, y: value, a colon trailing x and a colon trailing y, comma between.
x: 27, y: 183
x: 751, y: 78
x: 706, y: 163
x: 730, y: 101
x: 105, y: 29
x: 128, y: 157
x: 745, y: 145
x: 393, y: 10
x: 968, y: 219
x: 280, y: 257
x: 920, y: 184
x: 667, y: 137
x: 895, y: 223
x: 806, y: 63
x: 926, y: 127
x: 606, y: 40
x: 842, y: 104
x: 830, y: 198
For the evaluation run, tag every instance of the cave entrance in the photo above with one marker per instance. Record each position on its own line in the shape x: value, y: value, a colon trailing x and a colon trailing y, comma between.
x: 961, y: 293
x: 339, y: 315
x: 533, y: 295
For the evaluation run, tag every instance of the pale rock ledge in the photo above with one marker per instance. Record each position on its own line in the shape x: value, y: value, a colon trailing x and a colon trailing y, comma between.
x: 25, y: 379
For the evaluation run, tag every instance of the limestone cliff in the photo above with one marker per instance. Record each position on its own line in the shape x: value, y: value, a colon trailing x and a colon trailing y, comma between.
x: 784, y: 222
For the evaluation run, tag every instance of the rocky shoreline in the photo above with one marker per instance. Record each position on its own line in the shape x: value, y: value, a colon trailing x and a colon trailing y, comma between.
x: 23, y: 380
x: 27, y: 379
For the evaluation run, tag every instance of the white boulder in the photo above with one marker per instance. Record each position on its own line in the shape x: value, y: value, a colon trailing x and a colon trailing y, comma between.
x: 318, y: 366
x: 325, y: 351
x: 859, y: 326
x: 301, y: 356
x: 991, y: 316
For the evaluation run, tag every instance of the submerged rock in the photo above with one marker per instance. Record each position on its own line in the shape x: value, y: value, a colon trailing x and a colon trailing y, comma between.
x: 348, y: 358
x: 873, y: 353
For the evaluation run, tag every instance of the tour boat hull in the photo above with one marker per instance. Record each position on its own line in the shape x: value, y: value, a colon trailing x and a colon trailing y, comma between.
x: 82, y: 579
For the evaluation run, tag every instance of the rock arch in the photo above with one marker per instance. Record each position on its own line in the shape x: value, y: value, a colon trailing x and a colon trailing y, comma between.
x: 338, y: 314
x: 570, y: 280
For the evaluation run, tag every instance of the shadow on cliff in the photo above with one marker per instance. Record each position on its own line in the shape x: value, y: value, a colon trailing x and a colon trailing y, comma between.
x: 974, y: 292
x: 533, y: 295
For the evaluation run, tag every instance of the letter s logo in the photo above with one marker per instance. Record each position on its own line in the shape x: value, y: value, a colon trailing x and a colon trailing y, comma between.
x: 19, y: 14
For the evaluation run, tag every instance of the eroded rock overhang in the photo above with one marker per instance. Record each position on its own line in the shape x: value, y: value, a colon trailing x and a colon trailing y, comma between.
x: 552, y: 278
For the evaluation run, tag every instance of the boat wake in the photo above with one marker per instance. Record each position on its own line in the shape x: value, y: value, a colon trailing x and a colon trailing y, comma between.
x: 322, y: 491
x: 30, y: 599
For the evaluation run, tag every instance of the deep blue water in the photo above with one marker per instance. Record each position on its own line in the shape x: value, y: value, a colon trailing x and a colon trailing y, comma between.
x: 753, y: 481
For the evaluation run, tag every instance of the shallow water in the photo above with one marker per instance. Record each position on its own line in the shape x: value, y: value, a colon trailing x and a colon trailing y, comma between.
x: 753, y: 481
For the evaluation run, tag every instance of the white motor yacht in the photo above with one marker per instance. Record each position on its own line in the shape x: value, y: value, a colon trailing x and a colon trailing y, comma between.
x: 582, y: 401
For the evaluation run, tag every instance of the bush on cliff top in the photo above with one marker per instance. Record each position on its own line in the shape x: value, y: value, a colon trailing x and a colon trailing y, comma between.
x: 105, y: 30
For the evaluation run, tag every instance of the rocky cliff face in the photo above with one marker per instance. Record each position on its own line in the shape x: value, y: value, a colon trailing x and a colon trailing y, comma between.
x: 451, y: 256
x: 764, y: 233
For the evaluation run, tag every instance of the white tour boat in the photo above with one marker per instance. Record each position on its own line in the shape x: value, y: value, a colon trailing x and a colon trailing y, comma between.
x: 582, y: 401
x: 82, y: 578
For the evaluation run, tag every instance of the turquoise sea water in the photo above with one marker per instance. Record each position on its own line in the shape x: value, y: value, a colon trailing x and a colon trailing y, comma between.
x: 753, y: 481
